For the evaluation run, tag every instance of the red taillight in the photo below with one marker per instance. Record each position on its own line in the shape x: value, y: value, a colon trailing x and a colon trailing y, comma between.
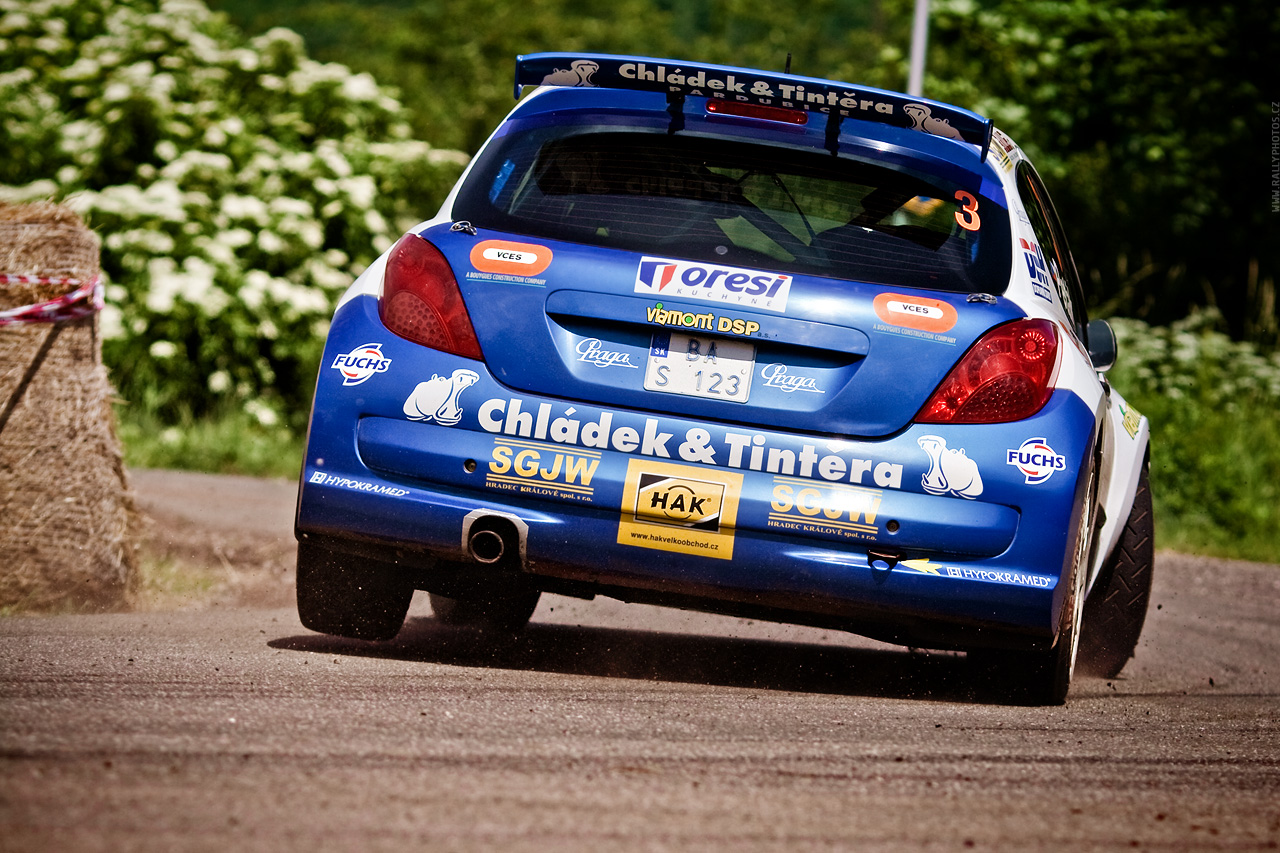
x: 735, y: 108
x: 1006, y: 376
x: 421, y: 300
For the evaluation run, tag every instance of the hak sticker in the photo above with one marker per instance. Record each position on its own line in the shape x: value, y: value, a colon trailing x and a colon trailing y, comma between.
x: 361, y: 363
x: 726, y: 285
x: 676, y: 508
x: 1036, y: 460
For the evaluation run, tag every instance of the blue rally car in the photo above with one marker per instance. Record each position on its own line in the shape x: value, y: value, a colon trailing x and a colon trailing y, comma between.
x: 742, y: 342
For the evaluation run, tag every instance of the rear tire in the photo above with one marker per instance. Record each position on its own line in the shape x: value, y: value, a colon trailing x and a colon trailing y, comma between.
x: 339, y: 593
x: 1038, y: 677
x: 499, y: 613
x: 1117, y: 606
x: 1044, y: 677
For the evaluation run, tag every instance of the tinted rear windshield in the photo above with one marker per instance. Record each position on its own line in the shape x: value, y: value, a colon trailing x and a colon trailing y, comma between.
x: 731, y: 202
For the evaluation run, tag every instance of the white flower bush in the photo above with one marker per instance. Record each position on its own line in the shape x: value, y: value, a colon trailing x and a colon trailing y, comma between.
x: 237, y: 185
x: 1192, y: 362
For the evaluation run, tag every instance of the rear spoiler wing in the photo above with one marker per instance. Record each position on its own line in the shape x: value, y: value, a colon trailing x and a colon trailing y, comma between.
x: 837, y: 101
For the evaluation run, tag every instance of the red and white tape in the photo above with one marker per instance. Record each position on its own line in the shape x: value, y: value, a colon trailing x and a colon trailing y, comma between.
x: 86, y: 298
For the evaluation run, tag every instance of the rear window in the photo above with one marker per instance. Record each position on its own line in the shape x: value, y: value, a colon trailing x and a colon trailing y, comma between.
x: 711, y: 199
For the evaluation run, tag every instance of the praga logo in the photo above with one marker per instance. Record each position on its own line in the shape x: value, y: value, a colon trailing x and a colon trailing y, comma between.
x: 1036, y: 460
x: 361, y: 363
x: 592, y: 351
x: 726, y: 285
x: 776, y: 376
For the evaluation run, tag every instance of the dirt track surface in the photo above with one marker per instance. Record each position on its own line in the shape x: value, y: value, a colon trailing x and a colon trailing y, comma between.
x: 610, y: 727
x: 237, y: 532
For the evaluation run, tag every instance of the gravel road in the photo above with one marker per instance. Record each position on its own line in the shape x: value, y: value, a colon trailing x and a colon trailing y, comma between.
x: 226, y: 725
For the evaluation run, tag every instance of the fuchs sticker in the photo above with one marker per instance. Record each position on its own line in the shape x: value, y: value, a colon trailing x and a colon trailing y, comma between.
x: 673, y: 279
x: 361, y: 363
x: 1036, y: 460
x: 525, y: 260
x: 915, y: 312
x: 679, y: 509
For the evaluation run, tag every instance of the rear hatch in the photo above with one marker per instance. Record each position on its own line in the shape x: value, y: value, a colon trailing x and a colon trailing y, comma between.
x: 722, y: 278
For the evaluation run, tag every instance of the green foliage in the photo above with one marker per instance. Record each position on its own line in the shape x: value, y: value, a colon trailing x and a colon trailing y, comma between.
x: 238, y: 187
x: 227, y: 441
x: 453, y: 60
x: 1214, y: 408
x: 1151, y: 123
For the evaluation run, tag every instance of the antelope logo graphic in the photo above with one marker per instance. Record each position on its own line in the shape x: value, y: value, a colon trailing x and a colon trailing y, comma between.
x: 437, y: 398
x: 577, y: 74
x: 922, y: 119
x: 951, y: 472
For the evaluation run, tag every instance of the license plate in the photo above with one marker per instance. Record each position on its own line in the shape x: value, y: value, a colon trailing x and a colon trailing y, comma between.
x: 715, y: 368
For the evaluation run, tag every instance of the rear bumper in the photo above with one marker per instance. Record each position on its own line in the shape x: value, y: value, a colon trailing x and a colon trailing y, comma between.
x: 931, y: 537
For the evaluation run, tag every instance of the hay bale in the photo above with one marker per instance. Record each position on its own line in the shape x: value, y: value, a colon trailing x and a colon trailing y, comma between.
x: 67, y: 519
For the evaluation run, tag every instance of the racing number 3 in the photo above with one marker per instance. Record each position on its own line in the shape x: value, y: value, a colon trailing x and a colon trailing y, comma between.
x: 967, y: 215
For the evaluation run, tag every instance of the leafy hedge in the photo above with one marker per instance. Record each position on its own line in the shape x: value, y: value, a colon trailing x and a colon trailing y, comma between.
x: 1214, y: 407
x: 238, y: 187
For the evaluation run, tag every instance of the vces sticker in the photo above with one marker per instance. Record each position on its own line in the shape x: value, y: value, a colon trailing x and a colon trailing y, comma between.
x: 915, y: 312
x: 519, y: 259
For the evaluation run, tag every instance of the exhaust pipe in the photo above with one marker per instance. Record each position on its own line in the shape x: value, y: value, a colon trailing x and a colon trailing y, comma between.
x: 490, y: 537
x: 486, y: 546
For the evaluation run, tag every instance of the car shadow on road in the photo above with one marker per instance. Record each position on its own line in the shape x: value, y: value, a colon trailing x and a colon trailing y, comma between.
x: 676, y: 657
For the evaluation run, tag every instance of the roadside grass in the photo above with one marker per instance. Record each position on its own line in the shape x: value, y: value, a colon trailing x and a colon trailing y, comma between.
x: 1214, y: 408
x: 231, y: 442
x: 168, y: 584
